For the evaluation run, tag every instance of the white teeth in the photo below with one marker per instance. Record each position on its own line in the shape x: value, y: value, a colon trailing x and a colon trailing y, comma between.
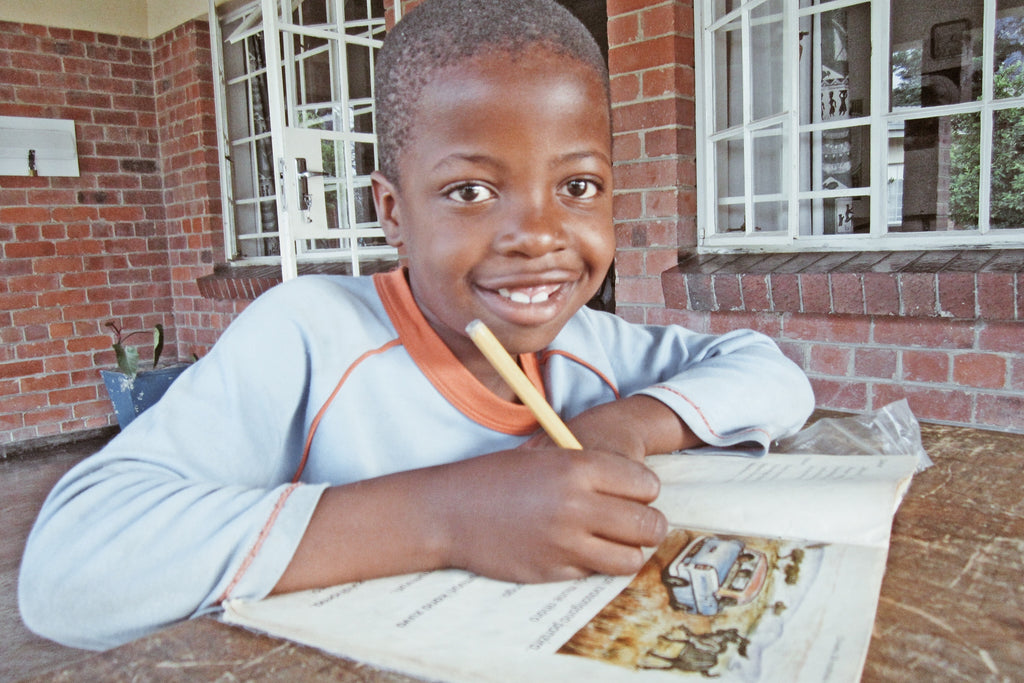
x: 523, y: 297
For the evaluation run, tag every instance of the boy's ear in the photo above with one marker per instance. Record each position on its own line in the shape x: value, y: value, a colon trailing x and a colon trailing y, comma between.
x: 385, y: 198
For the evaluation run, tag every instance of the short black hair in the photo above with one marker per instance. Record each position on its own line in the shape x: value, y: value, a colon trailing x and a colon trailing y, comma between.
x: 441, y: 33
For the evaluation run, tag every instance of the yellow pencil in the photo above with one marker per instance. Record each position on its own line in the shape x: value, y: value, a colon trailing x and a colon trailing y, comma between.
x: 521, y: 385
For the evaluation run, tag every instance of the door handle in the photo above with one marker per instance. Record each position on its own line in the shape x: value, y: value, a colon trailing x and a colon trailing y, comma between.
x: 304, y: 174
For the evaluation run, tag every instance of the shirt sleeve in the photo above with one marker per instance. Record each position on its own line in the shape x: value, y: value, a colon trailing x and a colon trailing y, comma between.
x: 736, y: 391
x: 192, y: 503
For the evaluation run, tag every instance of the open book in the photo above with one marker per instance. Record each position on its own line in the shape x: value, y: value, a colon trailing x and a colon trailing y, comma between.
x: 771, y: 572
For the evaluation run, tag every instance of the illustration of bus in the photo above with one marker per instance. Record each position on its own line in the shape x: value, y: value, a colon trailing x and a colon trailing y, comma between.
x: 712, y: 573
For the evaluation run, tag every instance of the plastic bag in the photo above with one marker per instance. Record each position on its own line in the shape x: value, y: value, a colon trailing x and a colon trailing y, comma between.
x: 892, y: 430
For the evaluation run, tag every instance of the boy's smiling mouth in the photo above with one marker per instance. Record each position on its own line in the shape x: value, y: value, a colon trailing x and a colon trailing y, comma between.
x: 528, y: 301
x: 529, y: 295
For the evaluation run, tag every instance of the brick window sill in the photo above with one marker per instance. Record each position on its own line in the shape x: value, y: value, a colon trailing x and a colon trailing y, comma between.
x: 953, y: 285
x: 248, y: 282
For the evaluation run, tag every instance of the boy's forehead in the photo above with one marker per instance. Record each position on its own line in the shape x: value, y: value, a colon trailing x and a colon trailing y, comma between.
x: 489, y: 79
x: 521, y: 67
x: 505, y: 73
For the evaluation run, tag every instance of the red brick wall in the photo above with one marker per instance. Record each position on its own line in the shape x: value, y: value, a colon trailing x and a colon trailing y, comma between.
x: 944, y: 330
x: 124, y: 240
x: 650, y: 59
x: 186, y: 121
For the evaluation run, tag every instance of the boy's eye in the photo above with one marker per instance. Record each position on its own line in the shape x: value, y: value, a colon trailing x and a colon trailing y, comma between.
x: 578, y: 188
x: 470, y: 193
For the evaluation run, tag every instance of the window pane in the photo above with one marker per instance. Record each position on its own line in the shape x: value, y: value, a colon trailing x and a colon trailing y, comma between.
x: 833, y: 160
x: 843, y: 47
x: 334, y: 200
x: 245, y: 214
x: 835, y: 64
x: 894, y: 175
x: 845, y: 158
x: 313, y: 75
x: 836, y: 158
x: 810, y: 217
x: 723, y: 7
x: 728, y: 67
x: 310, y: 13
x: 936, y: 53
x: 849, y: 215
x: 730, y: 218
x: 835, y: 216
x: 811, y: 3
x: 769, y: 161
x: 939, y: 157
x: 366, y: 210
x: 729, y: 160
x: 1007, y: 210
x: 1009, y: 64
x: 767, y: 64
x: 360, y: 62
x: 770, y: 216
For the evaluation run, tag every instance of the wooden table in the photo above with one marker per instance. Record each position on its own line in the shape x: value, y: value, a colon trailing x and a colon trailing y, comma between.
x: 951, y: 605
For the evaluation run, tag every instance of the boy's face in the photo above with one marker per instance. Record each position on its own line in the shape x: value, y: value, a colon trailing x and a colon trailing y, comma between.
x: 505, y: 207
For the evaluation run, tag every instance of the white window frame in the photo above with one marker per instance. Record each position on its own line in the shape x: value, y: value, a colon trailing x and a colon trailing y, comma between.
x: 250, y: 16
x: 877, y: 119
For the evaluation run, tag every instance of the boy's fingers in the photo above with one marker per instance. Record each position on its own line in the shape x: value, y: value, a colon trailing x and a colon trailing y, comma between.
x: 616, y: 560
x: 606, y: 555
x: 629, y: 523
x: 625, y: 478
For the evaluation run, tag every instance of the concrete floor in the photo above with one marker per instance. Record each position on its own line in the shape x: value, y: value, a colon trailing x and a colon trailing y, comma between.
x: 25, y: 480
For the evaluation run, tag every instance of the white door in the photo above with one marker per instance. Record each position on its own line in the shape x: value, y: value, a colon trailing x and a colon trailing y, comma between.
x: 320, y: 95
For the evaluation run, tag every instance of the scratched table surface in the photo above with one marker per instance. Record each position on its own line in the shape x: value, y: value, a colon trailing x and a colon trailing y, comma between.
x: 951, y: 605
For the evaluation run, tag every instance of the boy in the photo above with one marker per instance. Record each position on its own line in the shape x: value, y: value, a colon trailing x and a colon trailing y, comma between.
x: 346, y: 428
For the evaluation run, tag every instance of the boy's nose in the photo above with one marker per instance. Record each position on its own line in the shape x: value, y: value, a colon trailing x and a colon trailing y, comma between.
x: 533, y: 231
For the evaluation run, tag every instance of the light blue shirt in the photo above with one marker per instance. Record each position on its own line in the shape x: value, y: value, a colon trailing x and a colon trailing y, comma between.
x: 195, y: 502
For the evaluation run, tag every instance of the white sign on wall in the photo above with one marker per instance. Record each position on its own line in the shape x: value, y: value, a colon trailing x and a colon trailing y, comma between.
x: 43, y: 147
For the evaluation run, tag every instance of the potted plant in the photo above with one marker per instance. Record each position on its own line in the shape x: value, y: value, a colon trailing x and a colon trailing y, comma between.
x: 133, y: 390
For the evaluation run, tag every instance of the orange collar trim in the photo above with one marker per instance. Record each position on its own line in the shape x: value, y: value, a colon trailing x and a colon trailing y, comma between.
x: 443, y: 369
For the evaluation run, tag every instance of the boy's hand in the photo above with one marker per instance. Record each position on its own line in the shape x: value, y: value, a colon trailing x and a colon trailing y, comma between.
x: 634, y: 427
x: 548, y: 514
x: 537, y: 513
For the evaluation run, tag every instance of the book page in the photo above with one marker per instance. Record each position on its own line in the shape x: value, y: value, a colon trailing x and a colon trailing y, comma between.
x: 831, y: 498
x: 447, y: 624
x: 809, y: 620
x: 711, y: 600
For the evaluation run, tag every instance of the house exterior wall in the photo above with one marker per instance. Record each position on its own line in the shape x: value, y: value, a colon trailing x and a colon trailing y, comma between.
x: 127, y: 240
x: 947, y: 337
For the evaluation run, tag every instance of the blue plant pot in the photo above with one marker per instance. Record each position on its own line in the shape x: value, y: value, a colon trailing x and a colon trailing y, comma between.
x: 133, y: 395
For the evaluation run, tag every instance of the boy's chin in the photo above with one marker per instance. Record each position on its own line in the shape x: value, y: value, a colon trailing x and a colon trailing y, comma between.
x: 519, y: 339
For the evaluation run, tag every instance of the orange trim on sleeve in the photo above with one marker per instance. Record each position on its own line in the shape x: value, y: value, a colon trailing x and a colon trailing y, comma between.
x: 700, y: 413
x: 264, y: 532
x: 579, y: 361
x: 449, y: 376
x: 330, y: 399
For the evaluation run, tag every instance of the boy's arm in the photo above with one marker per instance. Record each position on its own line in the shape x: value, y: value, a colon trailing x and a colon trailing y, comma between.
x: 683, y: 389
x: 193, y: 502
x: 636, y: 426
x: 521, y: 515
